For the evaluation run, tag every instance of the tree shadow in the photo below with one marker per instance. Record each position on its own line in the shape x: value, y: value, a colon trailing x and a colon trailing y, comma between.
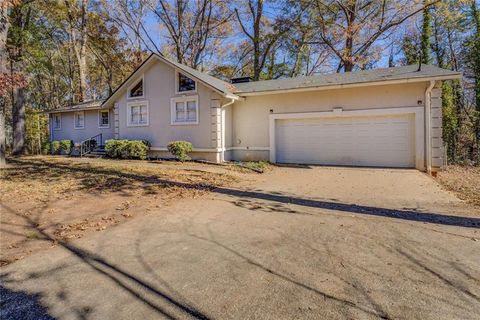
x: 410, y: 215
x: 125, y: 179
x: 122, y: 278
x: 377, y: 312
x: 452, y: 284
x: 16, y: 304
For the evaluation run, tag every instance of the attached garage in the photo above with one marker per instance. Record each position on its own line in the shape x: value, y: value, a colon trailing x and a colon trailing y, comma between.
x: 381, y: 141
x: 371, y: 138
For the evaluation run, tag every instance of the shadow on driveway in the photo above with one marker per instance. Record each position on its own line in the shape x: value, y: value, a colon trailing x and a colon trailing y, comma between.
x: 43, y: 167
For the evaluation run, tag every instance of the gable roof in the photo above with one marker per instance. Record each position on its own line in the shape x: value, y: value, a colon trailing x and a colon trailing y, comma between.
x: 224, y: 88
x: 375, y: 76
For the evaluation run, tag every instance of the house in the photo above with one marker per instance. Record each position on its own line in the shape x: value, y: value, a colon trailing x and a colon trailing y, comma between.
x: 388, y: 117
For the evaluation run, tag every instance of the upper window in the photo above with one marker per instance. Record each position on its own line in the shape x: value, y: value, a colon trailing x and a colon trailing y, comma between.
x: 79, y: 120
x: 137, y: 114
x: 103, y: 119
x: 57, y: 121
x: 136, y: 91
x: 185, y: 84
x: 184, y: 110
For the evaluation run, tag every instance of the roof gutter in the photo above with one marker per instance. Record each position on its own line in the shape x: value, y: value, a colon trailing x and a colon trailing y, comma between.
x: 351, y: 85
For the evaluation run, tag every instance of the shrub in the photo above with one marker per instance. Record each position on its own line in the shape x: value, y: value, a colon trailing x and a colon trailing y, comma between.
x: 66, y: 146
x: 55, y: 147
x: 46, y: 147
x: 126, y: 149
x: 180, y: 149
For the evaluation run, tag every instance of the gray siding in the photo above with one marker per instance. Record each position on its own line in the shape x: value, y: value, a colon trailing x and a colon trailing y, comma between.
x: 68, y: 131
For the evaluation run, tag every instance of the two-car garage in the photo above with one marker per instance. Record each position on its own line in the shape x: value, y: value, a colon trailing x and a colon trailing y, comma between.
x: 379, y: 140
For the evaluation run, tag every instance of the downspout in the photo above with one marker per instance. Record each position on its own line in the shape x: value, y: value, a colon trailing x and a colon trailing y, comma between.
x: 232, y: 101
x: 222, y: 110
x: 428, y: 126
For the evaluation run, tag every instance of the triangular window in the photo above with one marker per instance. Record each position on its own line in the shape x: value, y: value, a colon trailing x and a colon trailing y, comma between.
x: 185, y: 83
x: 137, y: 90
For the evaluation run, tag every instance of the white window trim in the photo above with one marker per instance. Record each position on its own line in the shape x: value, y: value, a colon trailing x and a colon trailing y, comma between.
x: 75, y: 122
x: 53, y: 121
x: 100, y: 118
x: 177, y: 78
x: 173, y: 110
x: 138, y: 103
x: 133, y: 85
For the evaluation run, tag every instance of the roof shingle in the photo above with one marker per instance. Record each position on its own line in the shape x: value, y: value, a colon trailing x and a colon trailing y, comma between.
x: 348, y: 78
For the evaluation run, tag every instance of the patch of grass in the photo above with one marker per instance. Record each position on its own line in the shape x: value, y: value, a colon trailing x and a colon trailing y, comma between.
x: 259, y: 166
x: 34, y: 235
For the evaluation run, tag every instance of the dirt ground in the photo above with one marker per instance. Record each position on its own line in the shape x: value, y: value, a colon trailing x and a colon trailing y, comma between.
x: 464, y: 181
x: 47, y: 199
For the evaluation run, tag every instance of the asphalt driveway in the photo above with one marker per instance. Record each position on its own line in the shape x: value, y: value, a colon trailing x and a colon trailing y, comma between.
x: 295, y: 243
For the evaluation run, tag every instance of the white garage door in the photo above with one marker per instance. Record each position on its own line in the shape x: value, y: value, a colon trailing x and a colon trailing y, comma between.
x: 386, y: 141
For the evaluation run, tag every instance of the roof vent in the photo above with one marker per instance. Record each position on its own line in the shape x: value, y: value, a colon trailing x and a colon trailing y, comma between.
x: 240, y: 80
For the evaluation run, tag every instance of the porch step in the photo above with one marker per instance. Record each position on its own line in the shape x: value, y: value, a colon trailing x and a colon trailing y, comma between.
x: 99, y: 151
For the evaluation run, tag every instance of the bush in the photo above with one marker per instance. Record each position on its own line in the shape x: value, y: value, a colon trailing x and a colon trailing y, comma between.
x: 66, y: 146
x: 55, y: 147
x: 46, y: 147
x: 127, y: 149
x: 180, y: 149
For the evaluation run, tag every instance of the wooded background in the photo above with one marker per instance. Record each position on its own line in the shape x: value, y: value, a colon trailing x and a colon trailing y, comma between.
x: 57, y: 53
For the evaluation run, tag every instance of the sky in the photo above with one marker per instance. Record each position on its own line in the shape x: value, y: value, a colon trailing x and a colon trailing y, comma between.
x: 159, y: 35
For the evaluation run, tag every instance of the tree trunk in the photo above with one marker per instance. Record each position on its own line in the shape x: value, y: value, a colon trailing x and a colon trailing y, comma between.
x: 77, y: 31
x: 4, y: 25
x: 426, y: 33
x: 257, y: 68
x: 82, y: 72
x: 348, y: 59
x: 2, y: 132
x: 18, y: 123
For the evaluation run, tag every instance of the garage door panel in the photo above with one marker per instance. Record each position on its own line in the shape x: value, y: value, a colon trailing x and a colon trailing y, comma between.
x: 365, y: 141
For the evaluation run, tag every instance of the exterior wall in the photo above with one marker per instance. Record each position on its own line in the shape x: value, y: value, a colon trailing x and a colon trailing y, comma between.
x: 68, y: 131
x: 251, y: 117
x: 437, y: 140
x: 159, y: 89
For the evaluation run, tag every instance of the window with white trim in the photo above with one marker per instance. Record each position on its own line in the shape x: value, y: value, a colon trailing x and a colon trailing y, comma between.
x: 184, y: 110
x: 103, y: 119
x: 79, y: 120
x: 185, y: 84
x: 137, y: 114
x: 136, y: 91
x: 57, y: 121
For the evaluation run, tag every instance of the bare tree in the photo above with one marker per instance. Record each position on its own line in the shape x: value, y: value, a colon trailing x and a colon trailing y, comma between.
x: 349, y: 28
x: 262, y: 33
x: 194, y: 27
x: 129, y: 16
